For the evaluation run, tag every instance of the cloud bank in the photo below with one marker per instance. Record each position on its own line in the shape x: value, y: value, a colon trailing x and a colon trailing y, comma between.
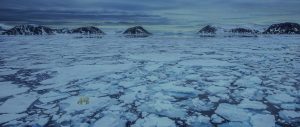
x: 187, y: 12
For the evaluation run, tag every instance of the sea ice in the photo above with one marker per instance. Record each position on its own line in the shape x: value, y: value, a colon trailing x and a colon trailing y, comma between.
x: 250, y: 93
x: 156, y: 81
x: 216, y: 119
x: 213, y: 99
x: 52, y: 96
x: 262, y: 120
x: 18, y: 103
x: 110, y: 120
x: 249, y: 81
x: 68, y: 74
x: 289, y: 115
x: 152, y: 66
x: 216, y: 89
x: 175, y: 90
x: 8, y: 117
x: 199, y: 121
x: 280, y: 98
x: 154, y: 121
x: 236, y: 124
x: 201, y: 105
x: 71, y: 105
x: 290, y: 106
x: 247, y: 104
x: 8, y: 89
x: 163, y: 107
x: 206, y: 62
x: 232, y: 112
x: 158, y: 57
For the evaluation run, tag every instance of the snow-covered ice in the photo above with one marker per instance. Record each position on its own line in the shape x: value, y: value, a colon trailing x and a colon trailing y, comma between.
x: 154, y: 121
x: 280, y: 98
x: 216, y: 119
x: 110, y: 121
x: 232, y: 112
x: 18, y: 103
x: 8, y: 117
x: 290, y: 116
x: 63, y: 80
x: 246, y: 103
x: 260, y: 120
x: 8, y: 89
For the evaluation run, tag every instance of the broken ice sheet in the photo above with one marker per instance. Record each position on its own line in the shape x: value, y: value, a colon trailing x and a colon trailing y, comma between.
x: 154, y: 121
x: 8, y: 89
x: 8, y: 117
x: 18, y: 104
x: 152, y: 81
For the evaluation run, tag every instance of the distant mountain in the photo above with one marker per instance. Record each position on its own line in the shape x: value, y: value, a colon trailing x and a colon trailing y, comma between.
x: 243, y: 31
x: 88, y: 30
x: 4, y: 27
x: 208, y: 30
x: 1, y: 29
x: 62, y: 31
x: 137, y: 31
x: 28, y: 30
x: 283, y: 28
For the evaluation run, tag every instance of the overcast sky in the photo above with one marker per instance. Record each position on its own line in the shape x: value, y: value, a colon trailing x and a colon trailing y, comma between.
x: 181, y: 12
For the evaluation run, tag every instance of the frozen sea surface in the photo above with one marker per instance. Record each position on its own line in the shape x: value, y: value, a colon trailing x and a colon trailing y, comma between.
x: 113, y: 81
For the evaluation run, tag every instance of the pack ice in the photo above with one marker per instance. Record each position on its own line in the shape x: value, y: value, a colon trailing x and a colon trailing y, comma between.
x: 63, y: 80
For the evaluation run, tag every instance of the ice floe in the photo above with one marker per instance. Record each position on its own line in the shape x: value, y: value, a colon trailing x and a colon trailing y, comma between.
x: 110, y: 121
x: 249, y: 81
x: 154, y: 121
x: 199, y: 121
x: 177, y: 91
x: 247, y: 104
x: 8, y: 89
x: 232, y: 112
x: 8, y: 117
x: 206, y: 62
x: 68, y: 74
x: 290, y: 116
x: 18, y: 103
x: 216, y: 119
x: 262, y: 120
x: 217, y: 89
x: 160, y: 57
x: 280, y: 98
x: 163, y: 107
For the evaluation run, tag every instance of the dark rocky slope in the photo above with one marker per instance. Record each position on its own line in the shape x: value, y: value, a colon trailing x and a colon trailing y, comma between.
x: 62, y: 31
x: 136, y: 31
x: 243, y: 31
x: 88, y: 30
x: 28, y: 30
x: 208, y: 30
x: 283, y: 28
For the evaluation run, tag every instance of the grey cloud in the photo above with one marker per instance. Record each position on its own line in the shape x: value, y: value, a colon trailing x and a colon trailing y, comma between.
x: 157, y: 11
